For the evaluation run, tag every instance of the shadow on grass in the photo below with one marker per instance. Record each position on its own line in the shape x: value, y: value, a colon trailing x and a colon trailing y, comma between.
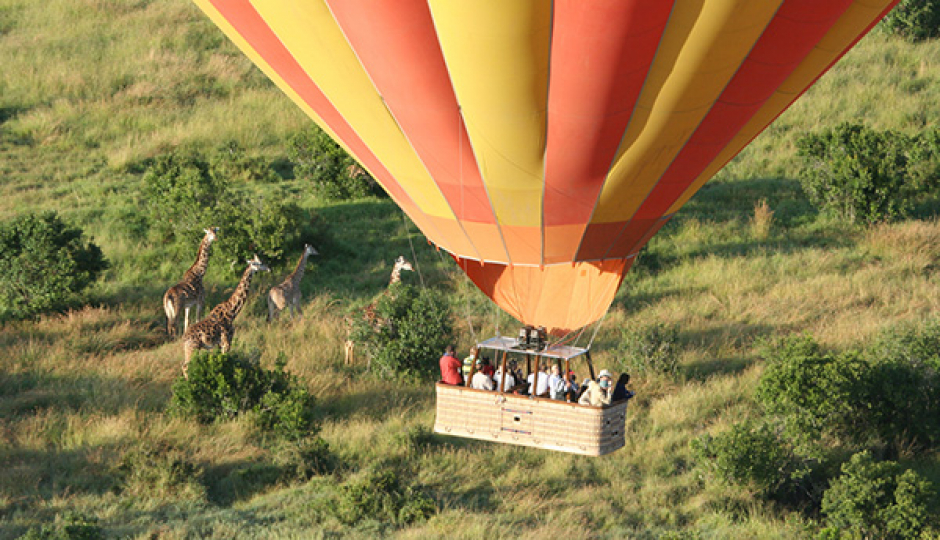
x: 374, y: 405
x: 27, y: 393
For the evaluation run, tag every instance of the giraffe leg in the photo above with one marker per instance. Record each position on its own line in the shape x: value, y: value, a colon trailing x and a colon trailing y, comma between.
x: 350, y: 352
x: 186, y: 319
x: 225, y: 341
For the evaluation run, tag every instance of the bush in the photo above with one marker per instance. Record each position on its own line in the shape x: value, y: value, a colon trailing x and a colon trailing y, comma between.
x: 876, y: 500
x: 69, y: 526
x: 758, y: 456
x: 416, y: 325
x: 222, y: 386
x: 914, y: 20
x: 380, y: 496
x: 46, y: 264
x: 889, y: 395
x: 649, y: 349
x: 924, y: 163
x: 817, y: 395
x: 159, y: 471
x: 185, y: 193
x: 903, y: 386
x: 856, y: 173
x: 334, y: 173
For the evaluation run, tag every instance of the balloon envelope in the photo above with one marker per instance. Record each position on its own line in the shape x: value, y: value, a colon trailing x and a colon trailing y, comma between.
x: 543, y: 142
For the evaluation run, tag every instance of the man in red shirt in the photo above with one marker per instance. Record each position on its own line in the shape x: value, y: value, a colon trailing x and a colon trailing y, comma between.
x: 450, y: 367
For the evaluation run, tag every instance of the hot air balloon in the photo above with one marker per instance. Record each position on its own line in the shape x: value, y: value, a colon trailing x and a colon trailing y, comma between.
x: 542, y: 143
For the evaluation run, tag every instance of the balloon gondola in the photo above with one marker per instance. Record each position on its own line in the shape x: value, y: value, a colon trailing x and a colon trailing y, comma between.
x: 541, y: 422
x: 542, y: 143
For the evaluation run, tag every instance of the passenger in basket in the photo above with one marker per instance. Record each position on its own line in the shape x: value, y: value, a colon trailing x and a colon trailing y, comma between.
x: 598, y: 392
x: 620, y: 389
x: 450, y: 368
x: 510, y: 380
x: 556, y: 383
x: 468, y: 362
x: 542, y: 389
x: 572, y: 389
x: 480, y: 380
x: 486, y: 367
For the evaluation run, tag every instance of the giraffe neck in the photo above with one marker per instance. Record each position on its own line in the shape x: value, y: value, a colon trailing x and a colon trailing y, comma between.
x: 298, y: 273
x: 198, y: 269
x: 238, y: 299
x: 396, y: 276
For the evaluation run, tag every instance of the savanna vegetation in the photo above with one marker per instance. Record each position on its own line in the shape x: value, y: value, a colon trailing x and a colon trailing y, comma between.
x: 784, y: 347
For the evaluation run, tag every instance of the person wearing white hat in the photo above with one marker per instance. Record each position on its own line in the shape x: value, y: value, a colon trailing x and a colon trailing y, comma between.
x: 598, y: 392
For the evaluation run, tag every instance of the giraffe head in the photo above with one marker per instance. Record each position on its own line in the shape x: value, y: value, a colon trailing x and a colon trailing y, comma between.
x: 255, y: 265
x: 308, y: 250
x: 402, y: 264
x: 211, y: 234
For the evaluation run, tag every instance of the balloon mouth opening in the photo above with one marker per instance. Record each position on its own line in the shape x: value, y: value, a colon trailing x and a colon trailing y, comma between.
x: 563, y: 298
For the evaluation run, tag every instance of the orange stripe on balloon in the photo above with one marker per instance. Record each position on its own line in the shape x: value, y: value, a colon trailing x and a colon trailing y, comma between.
x: 534, y: 295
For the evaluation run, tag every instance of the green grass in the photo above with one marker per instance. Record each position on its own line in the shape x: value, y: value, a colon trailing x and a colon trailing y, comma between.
x: 90, y: 90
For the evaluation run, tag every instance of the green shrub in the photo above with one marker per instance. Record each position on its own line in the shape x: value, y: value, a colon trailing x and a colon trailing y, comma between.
x: 757, y: 456
x: 159, y: 471
x: 903, y: 386
x: 334, y: 173
x: 818, y: 395
x: 876, y: 500
x: 649, y: 349
x: 415, y: 327
x: 856, y: 173
x: 222, y: 386
x: 46, y: 264
x: 229, y: 161
x: 379, y: 495
x: 69, y: 526
x: 185, y: 193
x: 914, y: 20
x: 924, y: 163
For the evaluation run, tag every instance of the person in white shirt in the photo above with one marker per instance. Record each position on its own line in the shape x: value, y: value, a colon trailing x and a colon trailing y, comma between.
x: 556, y: 383
x: 510, y: 380
x: 480, y: 380
x: 542, y: 388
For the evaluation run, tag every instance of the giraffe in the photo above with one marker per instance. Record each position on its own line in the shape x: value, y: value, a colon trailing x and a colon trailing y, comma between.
x: 287, y: 294
x: 369, y: 314
x: 189, y: 293
x: 216, y: 329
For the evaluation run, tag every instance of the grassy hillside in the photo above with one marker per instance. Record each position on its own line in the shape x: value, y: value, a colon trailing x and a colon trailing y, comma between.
x: 90, y: 90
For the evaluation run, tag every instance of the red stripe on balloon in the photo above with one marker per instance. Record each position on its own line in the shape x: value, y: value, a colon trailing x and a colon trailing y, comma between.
x: 252, y: 27
x: 397, y: 45
x: 601, y: 53
x: 796, y: 29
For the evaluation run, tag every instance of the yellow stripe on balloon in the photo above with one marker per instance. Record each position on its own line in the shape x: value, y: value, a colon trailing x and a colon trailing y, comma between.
x: 855, y: 19
x: 309, y: 32
x: 249, y: 51
x: 701, y: 51
x: 496, y: 52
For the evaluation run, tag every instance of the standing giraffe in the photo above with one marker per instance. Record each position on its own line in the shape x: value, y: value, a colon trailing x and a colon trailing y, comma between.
x: 216, y: 329
x: 189, y: 293
x: 287, y: 294
x: 369, y: 314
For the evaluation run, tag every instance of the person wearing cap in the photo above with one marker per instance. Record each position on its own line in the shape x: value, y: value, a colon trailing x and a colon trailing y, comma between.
x: 598, y: 392
x: 480, y: 379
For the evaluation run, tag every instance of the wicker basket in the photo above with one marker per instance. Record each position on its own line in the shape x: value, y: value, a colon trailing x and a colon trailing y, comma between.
x: 539, y: 422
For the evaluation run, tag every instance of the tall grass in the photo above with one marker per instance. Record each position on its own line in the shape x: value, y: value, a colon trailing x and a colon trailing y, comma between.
x: 91, y: 89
